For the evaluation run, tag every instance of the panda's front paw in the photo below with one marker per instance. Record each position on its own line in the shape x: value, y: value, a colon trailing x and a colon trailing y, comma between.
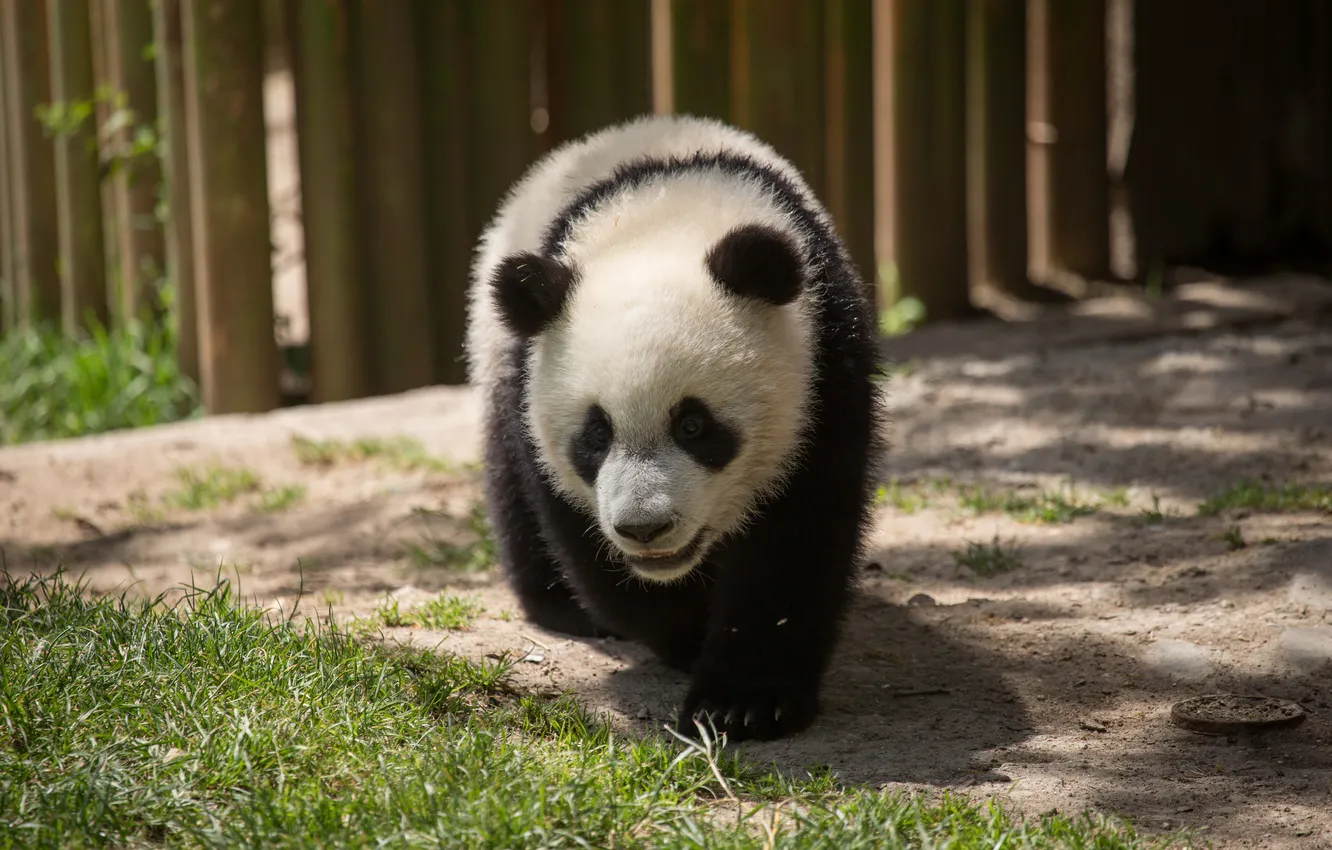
x: 747, y: 709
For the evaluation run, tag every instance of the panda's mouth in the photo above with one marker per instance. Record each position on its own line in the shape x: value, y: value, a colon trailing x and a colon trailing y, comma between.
x: 665, y: 566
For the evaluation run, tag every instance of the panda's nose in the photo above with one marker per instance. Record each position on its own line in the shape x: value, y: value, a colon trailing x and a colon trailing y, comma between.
x: 645, y: 532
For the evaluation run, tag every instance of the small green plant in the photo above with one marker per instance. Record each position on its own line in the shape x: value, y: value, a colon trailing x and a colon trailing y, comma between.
x: 907, y: 498
x: 1234, y: 538
x: 1260, y: 496
x: 401, y: 453
x: 54, y: 387
x: 989, y: 559
x: 279, y: 498
x: 1116, y: 498
x: 476, y: 556
x: 1049, y: 506
x: 211, y: 486
x: 443, y: 612
x: 331, y: 596
x: 1154, y: 515
x: 904, y: 313
x: 448, y: 612
x: 903, y: 317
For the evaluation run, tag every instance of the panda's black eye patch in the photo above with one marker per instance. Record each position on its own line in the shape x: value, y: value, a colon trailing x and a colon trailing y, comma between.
x: 712, y: 443
x: 591, y: 444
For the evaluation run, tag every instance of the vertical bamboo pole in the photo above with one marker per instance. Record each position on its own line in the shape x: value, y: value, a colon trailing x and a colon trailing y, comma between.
x: 451, y: 228
x: 179, y: 231
x: 36, y: 251
x: 78, y: 184
x: 129, y: 29
x: 7, y: 260
x: 391, y: 174
x: 928, y: 41
x: 321, y: 57
x: 781, y: 99
x: 996, y: 145
x: 502, y: 141
x: 224, y: 67
x: 1070, y: 226
x: 701, y: 58
x: 598, y: 61
x: 849, y: 128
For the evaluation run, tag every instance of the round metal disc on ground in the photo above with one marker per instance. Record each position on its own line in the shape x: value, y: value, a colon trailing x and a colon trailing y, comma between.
x: 1227, y: 714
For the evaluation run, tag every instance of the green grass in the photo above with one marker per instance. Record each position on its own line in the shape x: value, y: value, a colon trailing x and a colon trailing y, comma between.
x: 1047, y: 506
x: 280, y: 498
x: 445, y: 611
x: 1261, y: 496
x: 211, y: 486
x: 989, y: 559
x: 208, y: 723
x: 52, y: 387
x: 404, y: 454
x: 476, y: 556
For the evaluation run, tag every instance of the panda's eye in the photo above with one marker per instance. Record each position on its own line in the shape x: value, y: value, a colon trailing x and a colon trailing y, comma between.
x: 600, y: 434
x: 690, y: 426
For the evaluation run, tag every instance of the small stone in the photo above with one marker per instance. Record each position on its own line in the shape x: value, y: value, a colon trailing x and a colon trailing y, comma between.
x: 922, y: 600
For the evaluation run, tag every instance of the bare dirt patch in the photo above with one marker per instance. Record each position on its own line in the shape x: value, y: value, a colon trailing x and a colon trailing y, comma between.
x: 1042, y: 586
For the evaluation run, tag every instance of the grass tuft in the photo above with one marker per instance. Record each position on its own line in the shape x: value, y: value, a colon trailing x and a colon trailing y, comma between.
x: 211, y: 486
x: 989, y: 559
x: 476, y: 556
x: 1260, y: 496
x: 125, y: 723
x: 404, y: 454
x: 1048, y: 506
x: 445, y: 611
x: 52, y: 387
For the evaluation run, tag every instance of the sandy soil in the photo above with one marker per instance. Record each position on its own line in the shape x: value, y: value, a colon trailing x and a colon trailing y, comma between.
x: 1049, y: 685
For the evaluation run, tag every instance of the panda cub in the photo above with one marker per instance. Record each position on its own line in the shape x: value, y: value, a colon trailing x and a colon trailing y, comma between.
x: 675, y: 358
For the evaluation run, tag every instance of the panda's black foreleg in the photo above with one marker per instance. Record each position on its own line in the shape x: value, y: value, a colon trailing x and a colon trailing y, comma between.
x: 773, y: 628
x: 524, y: 556
x: 782, y: 594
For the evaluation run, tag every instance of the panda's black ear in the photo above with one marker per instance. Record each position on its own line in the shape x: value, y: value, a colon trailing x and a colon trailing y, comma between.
x: 530, y: 291
x: 757, y: 261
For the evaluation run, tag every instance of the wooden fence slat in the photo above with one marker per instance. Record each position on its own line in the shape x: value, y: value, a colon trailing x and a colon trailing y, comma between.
x: 997, y: 145
x: 141, y: 252
x: 849, y: 140
x: 451, y: 229
x: 598, y: 64
x: 502, y: 142
x: 23, y: 26
x: 233, y: 267
x: 178, y: 229
x: 7, y: 260
x: 701, y: 58
x: 926, y: 66
x: 78, y: 183
x: 391, y: 177
x: 781, y: 101
x: 1070, y: 184
x: 339, y: 332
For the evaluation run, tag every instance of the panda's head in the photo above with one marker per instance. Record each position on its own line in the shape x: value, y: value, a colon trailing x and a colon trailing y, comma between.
x: 669, y: 380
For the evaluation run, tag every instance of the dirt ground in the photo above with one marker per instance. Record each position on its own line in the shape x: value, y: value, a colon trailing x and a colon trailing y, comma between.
x: 1049, y: 685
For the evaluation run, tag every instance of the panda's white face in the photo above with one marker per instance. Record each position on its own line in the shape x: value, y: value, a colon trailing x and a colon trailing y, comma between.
x: 665, y: 405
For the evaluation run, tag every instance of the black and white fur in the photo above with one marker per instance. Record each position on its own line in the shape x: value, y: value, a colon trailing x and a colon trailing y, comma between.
x: 675, y: 357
